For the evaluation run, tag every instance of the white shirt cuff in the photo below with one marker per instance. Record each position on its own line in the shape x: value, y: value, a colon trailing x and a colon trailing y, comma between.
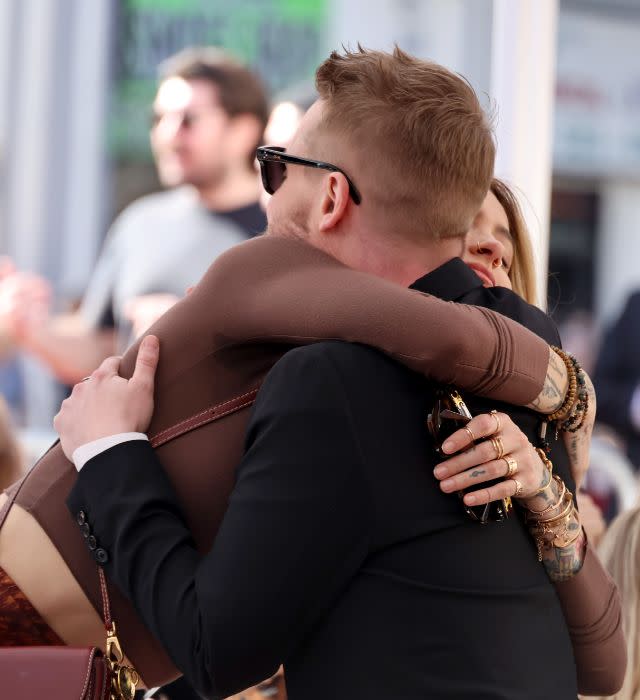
x: 634, y: 409
x: 81, y: 455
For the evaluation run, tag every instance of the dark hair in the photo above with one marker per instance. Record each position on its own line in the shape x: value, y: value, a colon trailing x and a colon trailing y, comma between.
x: 239, y: 90
x: 422, y: 131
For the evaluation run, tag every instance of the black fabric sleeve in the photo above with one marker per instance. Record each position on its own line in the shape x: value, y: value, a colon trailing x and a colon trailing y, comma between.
x: 295, y: 532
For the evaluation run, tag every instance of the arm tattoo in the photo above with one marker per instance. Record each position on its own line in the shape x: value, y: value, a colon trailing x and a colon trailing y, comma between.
x: 552, y: 395
x: 563, y: 564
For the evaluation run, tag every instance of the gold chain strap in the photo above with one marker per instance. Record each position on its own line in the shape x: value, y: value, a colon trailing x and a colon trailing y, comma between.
x: 124, y: 679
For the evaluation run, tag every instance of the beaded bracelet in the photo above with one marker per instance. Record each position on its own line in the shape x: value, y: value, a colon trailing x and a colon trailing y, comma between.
x: 570, y: 398
x: 576, y: 418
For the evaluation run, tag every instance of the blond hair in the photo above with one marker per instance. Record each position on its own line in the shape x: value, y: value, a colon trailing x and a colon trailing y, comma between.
x: 423, y: 144
x: 522, y: 273
x: 619, y: 552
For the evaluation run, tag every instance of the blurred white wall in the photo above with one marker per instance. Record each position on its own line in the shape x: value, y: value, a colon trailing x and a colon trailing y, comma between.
x: 597, y: 134
x: 53, y: 89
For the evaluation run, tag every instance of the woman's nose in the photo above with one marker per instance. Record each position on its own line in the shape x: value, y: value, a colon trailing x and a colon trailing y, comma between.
x: 490, y: 248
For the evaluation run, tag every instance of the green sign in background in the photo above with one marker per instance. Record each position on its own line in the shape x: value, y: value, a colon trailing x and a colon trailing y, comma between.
x: 283, y: 40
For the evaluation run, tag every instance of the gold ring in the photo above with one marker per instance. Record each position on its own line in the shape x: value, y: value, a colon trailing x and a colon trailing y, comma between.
x: 519, y: 488
x: 470, y: 432
x: 496, y: 441
x: 494, y: 413
x: 512, y: 466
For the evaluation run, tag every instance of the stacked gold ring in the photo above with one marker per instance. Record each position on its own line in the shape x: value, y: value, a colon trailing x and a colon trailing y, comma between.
x: 470, y: 433
x: 496, y: 441
x: 495, y: 415
x: 512, y: 466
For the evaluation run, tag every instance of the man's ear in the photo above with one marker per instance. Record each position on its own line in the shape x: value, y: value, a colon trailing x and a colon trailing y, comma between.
x: 335, y: 199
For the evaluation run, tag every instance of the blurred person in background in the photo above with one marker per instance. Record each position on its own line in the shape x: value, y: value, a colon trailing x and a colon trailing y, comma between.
x: 617, y: 378
x: 209, y: 115
x: 620, y: 553
x: 12, y: 458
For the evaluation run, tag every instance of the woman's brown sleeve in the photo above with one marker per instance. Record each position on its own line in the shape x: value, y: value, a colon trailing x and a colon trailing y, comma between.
x: 592, y: 610
x: 282, y: 290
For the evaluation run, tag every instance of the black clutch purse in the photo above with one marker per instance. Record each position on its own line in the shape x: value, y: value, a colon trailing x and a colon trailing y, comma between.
x: 450, y: 413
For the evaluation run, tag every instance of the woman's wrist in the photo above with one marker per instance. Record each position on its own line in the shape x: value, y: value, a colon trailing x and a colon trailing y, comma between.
x: 562, y: 563
x: 548, y: 502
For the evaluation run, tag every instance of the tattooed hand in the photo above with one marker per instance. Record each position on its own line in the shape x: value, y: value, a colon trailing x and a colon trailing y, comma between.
x: 491, y: 457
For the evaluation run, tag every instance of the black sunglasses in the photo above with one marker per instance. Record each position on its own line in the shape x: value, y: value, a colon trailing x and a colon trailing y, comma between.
x: 450, y: 413
x: 273, y: 168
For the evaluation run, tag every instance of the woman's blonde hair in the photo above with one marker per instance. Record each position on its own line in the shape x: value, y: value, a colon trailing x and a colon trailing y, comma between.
x: 522, y: 273
x: 619, y: 552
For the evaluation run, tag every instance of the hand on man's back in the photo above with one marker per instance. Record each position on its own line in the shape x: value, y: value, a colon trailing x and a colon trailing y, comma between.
x: 106, y: 404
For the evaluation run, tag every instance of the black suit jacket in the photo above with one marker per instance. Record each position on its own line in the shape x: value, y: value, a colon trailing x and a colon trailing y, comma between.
x: 339, y: 555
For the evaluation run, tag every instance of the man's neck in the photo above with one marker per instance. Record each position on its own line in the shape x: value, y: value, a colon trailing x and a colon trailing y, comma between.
x: 407, y: 263
x: 233, y: 192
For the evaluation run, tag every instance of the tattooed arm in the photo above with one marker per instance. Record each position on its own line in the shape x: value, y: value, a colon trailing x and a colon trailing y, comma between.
x: 555, y: 386
x: 579, y: 443
x: 561, y: 563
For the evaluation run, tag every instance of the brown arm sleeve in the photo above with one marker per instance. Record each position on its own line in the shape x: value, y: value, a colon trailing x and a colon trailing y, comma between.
x: 283, y: 290
x: 593, y: 613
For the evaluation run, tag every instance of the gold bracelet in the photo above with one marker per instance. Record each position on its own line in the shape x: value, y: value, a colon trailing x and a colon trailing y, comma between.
x: 562, y: 490
x: 568, y: 499
x: 549, y: 465
x: 568, y: 540
x: 543, y: 541
x: 548, y: 527
x: 542, y: 544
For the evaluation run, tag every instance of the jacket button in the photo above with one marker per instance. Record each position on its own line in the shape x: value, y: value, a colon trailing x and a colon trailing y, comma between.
x: 85, y: 529
x: 101, y: 556
x: 81, y: 517
x: 92, y: 542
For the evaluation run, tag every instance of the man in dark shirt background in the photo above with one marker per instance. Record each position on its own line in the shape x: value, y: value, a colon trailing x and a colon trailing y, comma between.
x: 209, y: 115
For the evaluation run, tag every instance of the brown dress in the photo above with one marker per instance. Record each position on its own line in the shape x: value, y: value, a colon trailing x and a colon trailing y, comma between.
x: 20, y: 623
x: 256, y: 302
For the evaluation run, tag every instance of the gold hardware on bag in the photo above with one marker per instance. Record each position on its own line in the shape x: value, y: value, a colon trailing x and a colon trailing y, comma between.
x: 123, y: 678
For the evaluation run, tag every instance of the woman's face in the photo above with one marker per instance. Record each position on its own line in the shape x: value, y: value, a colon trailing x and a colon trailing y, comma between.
x: 488, y: 248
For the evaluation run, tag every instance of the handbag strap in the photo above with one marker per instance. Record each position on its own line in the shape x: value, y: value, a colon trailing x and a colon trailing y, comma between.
x: 209, y: 415
x: 12, y: 494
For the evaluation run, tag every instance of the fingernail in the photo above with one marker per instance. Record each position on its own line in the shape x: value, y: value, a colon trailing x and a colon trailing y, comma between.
x: 447, y: 485
x: 440, y: 472
x: 447, y: 446
x: 470, y: 499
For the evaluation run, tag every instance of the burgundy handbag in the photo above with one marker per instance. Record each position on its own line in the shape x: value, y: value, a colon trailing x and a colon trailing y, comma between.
x: 67, y: 673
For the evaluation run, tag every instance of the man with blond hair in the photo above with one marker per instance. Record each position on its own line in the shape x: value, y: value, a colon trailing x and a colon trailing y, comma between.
x: 338, y: 555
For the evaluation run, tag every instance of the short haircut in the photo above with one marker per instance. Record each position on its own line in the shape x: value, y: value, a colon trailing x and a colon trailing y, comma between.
x: 424, y: 145
x: 239, y: 90
x: 522, y: 273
